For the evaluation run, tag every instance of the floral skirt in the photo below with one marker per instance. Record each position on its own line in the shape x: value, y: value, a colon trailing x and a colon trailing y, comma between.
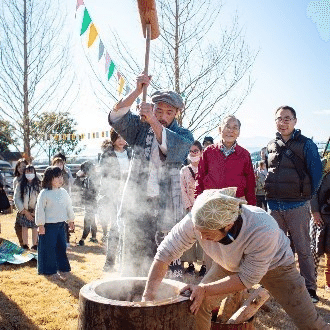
x: 24, y: 222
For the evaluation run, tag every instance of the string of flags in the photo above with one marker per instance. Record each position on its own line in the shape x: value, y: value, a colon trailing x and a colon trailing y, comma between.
x: 79, y: 137
x: 93, y: 35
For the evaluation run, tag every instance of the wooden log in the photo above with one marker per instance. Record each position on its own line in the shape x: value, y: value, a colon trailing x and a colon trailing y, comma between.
x: 250, y: 306
x: 229, y: 306
x: 116, y: 304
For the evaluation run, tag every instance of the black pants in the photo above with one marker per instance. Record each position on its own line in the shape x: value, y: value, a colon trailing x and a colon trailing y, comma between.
x: 89, y: 223
x: 261, y: 200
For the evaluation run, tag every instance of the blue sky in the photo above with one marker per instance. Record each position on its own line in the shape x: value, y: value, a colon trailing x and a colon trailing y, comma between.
x: 292, y: 67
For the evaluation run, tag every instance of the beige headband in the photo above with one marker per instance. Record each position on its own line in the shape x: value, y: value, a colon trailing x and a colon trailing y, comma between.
x: 216, y: 208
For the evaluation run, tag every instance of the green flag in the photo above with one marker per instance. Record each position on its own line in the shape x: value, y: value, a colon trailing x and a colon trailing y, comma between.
x: 86, y: 21
x: 111, y: 70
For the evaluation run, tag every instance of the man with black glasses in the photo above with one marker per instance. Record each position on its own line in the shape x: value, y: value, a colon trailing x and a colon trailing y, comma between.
x: 294, y: 174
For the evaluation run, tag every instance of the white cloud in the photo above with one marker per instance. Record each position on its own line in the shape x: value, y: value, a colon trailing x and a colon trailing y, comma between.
x: 322, y: 112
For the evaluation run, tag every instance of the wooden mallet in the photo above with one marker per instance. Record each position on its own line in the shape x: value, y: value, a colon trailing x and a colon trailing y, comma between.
x: 149, y: 20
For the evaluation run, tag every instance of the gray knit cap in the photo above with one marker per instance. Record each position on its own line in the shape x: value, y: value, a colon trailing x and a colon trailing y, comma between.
x: 169, y: 97
x: 216, y: 208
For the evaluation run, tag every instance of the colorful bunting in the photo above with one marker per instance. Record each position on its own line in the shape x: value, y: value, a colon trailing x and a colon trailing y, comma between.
x: 101, y: 49
x: 121, y: 83
x: 107, y: 62
x: 111, y: 69
x: 92, y: 35
x: 86, y: 21
x: 127, y: 90
x: 79, y: 3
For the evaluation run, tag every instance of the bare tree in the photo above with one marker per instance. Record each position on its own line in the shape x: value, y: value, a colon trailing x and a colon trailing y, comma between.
x: 212, y: 76
x: 34, y: 63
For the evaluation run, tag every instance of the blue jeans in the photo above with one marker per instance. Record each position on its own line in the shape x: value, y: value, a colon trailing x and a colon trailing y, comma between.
x: 52, y: 250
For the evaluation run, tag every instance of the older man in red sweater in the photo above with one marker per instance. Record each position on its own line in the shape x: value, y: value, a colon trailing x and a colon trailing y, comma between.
x: 227, y: 164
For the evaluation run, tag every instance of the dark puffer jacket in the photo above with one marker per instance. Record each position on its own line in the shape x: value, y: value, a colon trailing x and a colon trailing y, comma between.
x: 283, y: 182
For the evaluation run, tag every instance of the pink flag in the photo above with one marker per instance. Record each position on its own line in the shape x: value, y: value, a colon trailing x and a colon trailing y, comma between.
x: 79, y: 3
x: 107, y: 61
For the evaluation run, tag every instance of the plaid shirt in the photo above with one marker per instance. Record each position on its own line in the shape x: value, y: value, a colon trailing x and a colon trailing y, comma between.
x: 229, y: 151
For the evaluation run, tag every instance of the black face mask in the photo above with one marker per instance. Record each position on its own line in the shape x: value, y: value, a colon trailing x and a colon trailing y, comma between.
x: 233, y: 232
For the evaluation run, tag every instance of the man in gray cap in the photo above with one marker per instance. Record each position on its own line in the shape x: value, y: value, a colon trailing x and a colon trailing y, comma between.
x: 152, y: 202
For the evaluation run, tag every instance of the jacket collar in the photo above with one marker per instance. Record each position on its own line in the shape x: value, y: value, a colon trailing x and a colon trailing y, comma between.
x: 296, y: 133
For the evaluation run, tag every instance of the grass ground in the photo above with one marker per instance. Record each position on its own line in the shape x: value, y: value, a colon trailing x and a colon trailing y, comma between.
x: 30, y: 301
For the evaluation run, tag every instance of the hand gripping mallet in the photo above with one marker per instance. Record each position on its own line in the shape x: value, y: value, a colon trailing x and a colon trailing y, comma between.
x: 149, y: 20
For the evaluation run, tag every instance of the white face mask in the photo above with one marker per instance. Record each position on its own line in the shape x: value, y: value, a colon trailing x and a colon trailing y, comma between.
x: 194, y: 159
x: 30, y: 176
x: 80, y: 173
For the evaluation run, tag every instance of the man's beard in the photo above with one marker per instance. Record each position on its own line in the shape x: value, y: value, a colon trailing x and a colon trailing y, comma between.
x: 164, y: 123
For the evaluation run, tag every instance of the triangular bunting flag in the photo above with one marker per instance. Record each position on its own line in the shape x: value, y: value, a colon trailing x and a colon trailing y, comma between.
x: 107, y: 62
x: 111, y: 70
x: 79, y: 3
x: 86, y: 21
x: 121, y: 83
x: 92, y: 35
x: 101, y: 49
x: 127, y: 90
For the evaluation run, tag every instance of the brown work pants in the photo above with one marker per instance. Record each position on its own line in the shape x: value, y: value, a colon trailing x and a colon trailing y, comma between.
x: 284, y: 283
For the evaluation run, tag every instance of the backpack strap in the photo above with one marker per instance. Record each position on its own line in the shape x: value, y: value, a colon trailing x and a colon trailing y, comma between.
x: 297, y: 162
x: 192, y: 172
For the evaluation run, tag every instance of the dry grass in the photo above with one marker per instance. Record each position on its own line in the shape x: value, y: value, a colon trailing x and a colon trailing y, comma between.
x: 30, y: 301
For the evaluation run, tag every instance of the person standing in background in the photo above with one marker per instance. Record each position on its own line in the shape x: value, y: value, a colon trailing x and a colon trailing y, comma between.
x: 114, y: 168
x: 188, y: 183
x: 86, y: 181
x: 320, y: 203
x: 18, y: 174
x: 227, y: 164
x: 208, y: 140
x: 25, y: 198
x: 261, y: 174
x: 53, y: 210
x: 294, y: 175
x: 67, y: 185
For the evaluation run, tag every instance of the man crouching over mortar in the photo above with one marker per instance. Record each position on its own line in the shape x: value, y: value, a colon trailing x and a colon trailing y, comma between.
x: 247, y: 248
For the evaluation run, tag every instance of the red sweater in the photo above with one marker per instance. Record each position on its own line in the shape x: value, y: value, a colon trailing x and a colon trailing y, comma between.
x: 215, y: 171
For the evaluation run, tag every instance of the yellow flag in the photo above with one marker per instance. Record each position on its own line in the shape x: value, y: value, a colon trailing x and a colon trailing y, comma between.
x: 92, y: 35
x: 121, y: 83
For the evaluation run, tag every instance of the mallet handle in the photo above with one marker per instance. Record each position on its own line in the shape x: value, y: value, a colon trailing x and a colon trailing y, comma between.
x: 146, y: 64
x: 146, y: 59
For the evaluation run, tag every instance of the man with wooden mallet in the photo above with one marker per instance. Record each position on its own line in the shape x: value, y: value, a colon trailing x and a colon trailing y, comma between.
x: 152, y: 202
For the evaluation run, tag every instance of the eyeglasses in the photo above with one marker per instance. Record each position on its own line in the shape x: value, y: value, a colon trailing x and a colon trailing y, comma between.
x: 285, y: 120
x: 196, y: 151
